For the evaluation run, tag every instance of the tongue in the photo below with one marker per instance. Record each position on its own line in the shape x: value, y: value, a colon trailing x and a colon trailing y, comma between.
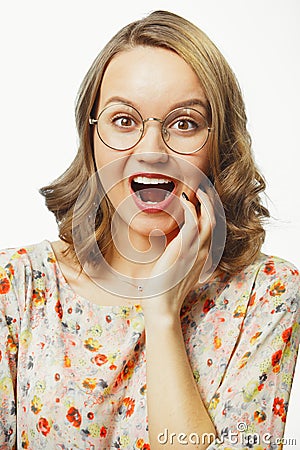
x: 153, y: 195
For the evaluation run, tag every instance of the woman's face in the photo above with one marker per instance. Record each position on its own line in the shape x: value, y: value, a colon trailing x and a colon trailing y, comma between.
x: 155, y: 81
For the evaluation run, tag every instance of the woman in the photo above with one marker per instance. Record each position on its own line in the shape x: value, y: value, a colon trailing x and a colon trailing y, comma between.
x: 142, y: 325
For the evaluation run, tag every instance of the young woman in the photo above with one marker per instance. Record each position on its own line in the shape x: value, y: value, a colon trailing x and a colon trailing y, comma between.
x: 154, y: 320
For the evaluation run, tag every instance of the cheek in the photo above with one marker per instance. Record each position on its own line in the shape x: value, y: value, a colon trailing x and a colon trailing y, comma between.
x: 110, y: 165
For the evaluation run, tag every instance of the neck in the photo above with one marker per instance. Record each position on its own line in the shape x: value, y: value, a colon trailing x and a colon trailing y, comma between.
x: 133, y: 254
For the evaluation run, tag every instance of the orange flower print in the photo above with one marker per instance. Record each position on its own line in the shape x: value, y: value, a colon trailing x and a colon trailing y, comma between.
x: 244, y: 360
x: 252, y: 299
x: 217, y: 342
x: 239, y: 311
x: 126, y: 373
x: 286, y: 335
x: 38, y: 297
x: 129, y: 403
x: 90, y: 383
x: 279, y: 407
x: 36, y: 405
x: 253, y: 339
x: 277, y: 288
x: 24, y: 439
x: 139, y: 443
x: 260, y: 416
x: 67, y: 361
x: 100, y: 359
x: 92, y: 344
x: 74, y: 417
x: 58, y: 309
x: 269, y: 268
x: 43, y: 426
x: 103, y: 432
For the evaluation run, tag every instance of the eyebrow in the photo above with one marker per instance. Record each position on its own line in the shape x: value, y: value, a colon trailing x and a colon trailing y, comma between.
x: 184, y: 104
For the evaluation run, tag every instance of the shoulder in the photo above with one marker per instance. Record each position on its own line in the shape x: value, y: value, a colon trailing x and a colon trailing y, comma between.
x: 277, y: 276
x: 20, y: 264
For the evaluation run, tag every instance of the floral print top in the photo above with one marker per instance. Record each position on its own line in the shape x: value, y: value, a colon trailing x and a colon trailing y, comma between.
x: 73, y: 376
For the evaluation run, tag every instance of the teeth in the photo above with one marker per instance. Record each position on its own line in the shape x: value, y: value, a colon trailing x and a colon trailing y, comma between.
x: 146, y: 180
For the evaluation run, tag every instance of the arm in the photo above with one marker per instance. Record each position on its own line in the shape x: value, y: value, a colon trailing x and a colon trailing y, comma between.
x: 174, y: 402
x: 175, y: 407
x: 8, y: 361
x: 257, y: 384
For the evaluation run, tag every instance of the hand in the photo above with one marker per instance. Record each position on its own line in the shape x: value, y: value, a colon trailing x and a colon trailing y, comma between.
x: 178, y: 270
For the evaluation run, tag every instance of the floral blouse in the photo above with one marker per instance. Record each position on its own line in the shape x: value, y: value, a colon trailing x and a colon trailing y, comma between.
x: 73, y: 373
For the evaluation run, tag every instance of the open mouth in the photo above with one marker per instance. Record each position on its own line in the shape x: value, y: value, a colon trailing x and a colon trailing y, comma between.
x: 152, y: 190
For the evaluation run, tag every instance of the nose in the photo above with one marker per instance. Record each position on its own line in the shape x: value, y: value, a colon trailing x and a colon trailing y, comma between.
x: 151, y: 148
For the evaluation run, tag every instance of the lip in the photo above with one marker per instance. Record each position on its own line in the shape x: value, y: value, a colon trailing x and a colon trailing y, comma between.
x: 144, y: 206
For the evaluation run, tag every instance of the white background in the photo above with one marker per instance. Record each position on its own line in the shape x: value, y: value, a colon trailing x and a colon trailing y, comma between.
x: 46, y: 49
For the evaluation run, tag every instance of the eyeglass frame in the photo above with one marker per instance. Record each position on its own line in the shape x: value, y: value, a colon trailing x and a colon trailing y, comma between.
x: 151, y: 119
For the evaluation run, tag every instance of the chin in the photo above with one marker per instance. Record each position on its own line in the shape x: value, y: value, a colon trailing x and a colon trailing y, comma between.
x: 156, y: 228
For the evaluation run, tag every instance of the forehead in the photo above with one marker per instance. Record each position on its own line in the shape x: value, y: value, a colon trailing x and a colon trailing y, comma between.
x: 152, y: 79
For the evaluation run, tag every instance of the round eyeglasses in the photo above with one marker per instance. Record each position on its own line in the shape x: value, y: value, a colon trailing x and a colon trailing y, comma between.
x: 120, y: 126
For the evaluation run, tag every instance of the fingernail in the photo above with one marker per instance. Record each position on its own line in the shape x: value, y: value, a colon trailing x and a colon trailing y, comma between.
x: 185, y: 196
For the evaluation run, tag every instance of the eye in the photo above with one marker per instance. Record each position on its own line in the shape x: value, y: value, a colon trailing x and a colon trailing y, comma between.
x: 123, y: 121
x: 184, y: 124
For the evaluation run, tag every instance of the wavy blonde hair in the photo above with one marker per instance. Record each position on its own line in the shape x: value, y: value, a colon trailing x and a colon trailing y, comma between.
x: 233, y: 171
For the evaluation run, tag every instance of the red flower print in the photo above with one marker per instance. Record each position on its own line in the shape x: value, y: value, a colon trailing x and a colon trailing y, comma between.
x: 22, y: 251
x: 100, y: 359
x: 58, y: 309
x: 90, y: 415
x: 146, y: 447
x: 103, y: 432
x: 129, y: 403
x: 278, y: 406
x: 209, y: 303
x: 4, y: 285
x: 269, y: 268
x: 73, y: 416
x: 43, y: 426
x: 286, y: 335
x: 276, y: 357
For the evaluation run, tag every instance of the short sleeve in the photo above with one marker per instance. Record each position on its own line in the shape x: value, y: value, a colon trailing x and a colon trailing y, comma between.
x: 251, y: 404
x: 9, y: 331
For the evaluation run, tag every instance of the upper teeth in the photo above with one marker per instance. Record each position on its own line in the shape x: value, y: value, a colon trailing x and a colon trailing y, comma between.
x: 146, y: 180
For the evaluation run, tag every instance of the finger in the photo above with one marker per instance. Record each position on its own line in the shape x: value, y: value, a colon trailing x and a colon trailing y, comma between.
x: 190, y: 228
x: 207, y: 218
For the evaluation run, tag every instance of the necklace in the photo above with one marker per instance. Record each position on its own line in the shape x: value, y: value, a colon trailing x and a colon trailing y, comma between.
x: 138, y: 286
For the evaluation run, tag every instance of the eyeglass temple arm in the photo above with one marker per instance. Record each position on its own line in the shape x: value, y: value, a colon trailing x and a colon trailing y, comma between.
x: 92, y: 121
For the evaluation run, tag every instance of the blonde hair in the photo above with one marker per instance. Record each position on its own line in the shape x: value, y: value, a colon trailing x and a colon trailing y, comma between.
x: 233, y: 171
